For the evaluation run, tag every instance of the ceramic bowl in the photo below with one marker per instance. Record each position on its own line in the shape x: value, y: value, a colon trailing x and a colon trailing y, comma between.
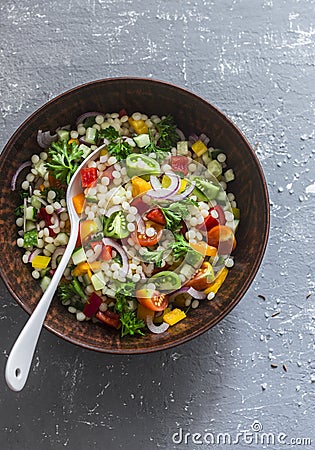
x: 193, y: 115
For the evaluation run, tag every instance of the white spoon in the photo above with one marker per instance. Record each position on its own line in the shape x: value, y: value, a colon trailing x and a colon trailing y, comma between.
x: 21, y: 355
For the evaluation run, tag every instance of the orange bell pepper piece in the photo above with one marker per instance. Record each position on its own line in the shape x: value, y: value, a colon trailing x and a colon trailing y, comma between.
x: 78, y: 202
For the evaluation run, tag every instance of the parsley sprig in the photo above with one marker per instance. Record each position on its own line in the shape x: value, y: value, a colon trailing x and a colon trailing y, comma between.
x: 117, y: 146
x: 63, y: 160
x: 181, y: 248
x: 129, y: 321
x: 67, y: 291
x: 168, y: 136
x: 154, y: 257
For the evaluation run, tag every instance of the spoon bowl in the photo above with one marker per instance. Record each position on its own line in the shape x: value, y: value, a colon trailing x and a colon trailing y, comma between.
x: 21, y: 355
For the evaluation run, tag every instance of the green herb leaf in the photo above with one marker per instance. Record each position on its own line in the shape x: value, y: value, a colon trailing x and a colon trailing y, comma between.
x: 117, y: 146
x: 168, y: 136
x: 60, y: 193
x: 63, y: 160
x: 154, y: 256
x: 180, y: 247
x: 130, y: 323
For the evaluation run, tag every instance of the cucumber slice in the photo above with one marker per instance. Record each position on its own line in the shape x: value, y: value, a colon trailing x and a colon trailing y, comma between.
x: 35, y: 202
x: 91, y: 135
x: 30, y: 213
x: 78, y: 256
x: 98, y: 281
x: 44, y: 283
x: 63, y: 135
x: 215, y: 168
x: 142, y: 140
x: 30, y: 225
x: 85, y: 149
x: 208, y: 190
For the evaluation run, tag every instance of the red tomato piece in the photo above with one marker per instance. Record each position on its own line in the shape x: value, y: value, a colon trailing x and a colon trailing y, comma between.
x: 43, y: 215
x: 156, y: 215
x: 202, y: 278
x: 92, y: 305
x: 148, y: 241
x: 107, y: 253
x: 88, y: 176
x: 180, y: 164
x: 109, y: 318
x: 153, y: 300
x: 211, y: 221
x: 222, y: 237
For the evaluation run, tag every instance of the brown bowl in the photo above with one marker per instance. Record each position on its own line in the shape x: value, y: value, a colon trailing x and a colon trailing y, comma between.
x: 193, y: 115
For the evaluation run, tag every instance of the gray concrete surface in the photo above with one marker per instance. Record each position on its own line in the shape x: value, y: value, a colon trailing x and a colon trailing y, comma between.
x: 255, y: 60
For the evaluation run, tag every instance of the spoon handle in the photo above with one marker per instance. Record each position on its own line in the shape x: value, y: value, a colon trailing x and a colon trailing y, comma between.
x: 21, y: 355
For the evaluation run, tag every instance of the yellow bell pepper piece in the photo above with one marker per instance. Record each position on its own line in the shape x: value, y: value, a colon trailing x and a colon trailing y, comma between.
x: 166, y: 181
x: 217, y: 283
x: 40, y: 262
x: 74, y: 140
x: 203, y: 248
x: 103, y: 152
x: 85, y: 267
x: 174, y: 316
x: 143, y: 312
x: 161, y: 317
x: 138, y: 125
x: 183, y: 185
x: 199, y: 148
x: 139, y: 186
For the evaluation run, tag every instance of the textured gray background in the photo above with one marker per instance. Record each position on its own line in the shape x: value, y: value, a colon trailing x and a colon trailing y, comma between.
x: 254, y: 59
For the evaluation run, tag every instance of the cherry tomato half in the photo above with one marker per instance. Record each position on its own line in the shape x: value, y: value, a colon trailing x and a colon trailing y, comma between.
x: 148, y: 241
x: 109, y: 318
x: 156, y: 215
x: 153, y: 300
x: 222, y: 237
x: 202, y: 278
x: 88, y: 176
x: 211, y: 221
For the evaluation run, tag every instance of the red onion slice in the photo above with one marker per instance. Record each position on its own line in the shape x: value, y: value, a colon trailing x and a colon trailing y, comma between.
x: 17, y: 173
x: 44, y: 138
x: 84, y: 116
x: 199, y: 295
x: 154, y: 328
x: 165, y: 193
x: 97, y: 251
x: 33, y: 254
x: 182, y: 195
x: 56, y: 221
x: 58, y: 252
x: 155, y: 183
x: 121, y: 251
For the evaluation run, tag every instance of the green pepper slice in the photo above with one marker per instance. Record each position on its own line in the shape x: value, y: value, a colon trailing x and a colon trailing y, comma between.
x: 141, y: 165
x: 115, y: 226
x: 166, y: 281
x: 30, y: 238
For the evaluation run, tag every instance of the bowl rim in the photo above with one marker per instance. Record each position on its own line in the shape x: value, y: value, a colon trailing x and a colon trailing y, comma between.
x: 254, y: 268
